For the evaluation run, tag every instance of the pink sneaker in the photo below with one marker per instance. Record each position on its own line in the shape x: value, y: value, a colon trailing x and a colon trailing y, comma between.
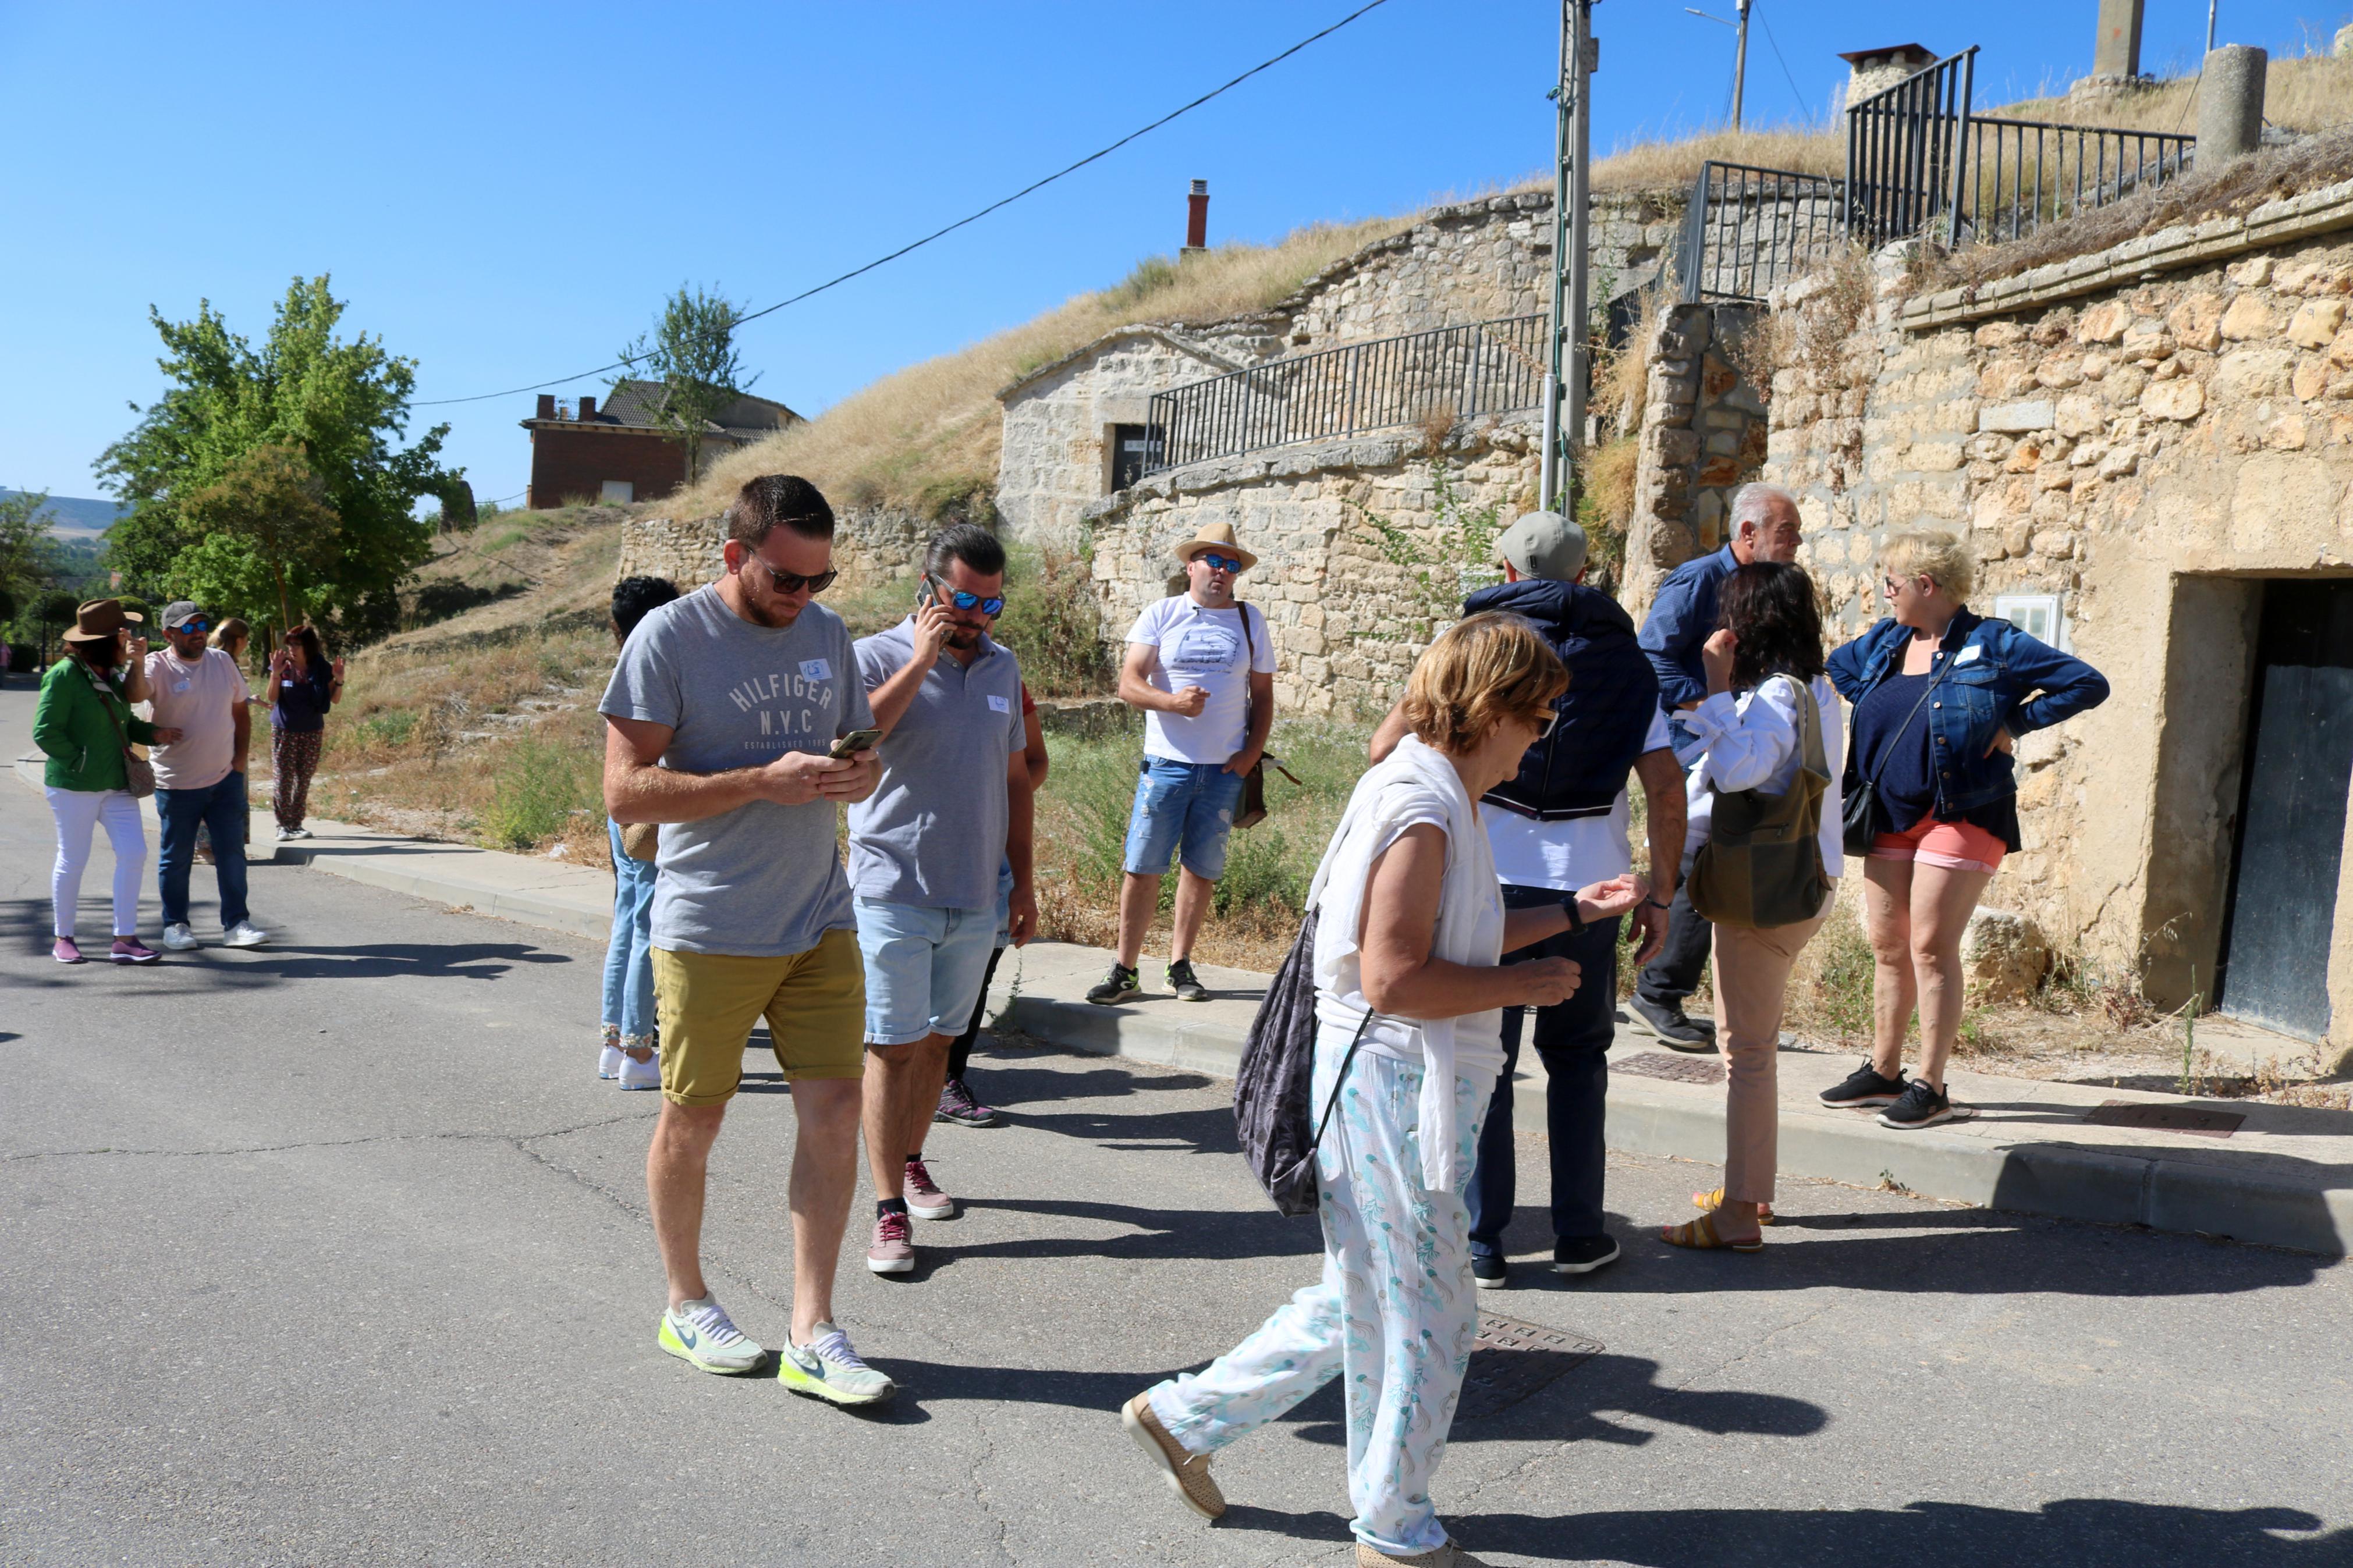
x: 894, y: 1251
x: 924, y: 1199
x: 131, y: 950
x: 65, y: 952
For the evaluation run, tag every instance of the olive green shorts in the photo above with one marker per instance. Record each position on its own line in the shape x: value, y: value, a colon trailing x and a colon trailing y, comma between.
x: 814, y: 1003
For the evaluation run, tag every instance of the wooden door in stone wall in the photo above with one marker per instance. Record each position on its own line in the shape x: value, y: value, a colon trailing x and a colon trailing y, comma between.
x: 2299, y: 762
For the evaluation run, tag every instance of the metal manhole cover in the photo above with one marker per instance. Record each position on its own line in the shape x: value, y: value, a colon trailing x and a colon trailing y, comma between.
x: 2166, y: 1118
x: 1678, y: 1070
x: 1513, y: 1360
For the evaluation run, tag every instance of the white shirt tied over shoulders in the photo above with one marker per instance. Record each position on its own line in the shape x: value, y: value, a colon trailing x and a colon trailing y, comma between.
x: 1754, y: 742
x: 1414, y: 784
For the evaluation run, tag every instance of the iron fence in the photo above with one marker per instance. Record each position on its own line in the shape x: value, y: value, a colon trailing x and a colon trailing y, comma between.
x: 1488, y: 367
x: 1906, y: 152
x: 2025, y: 173
x: 1749, y: 229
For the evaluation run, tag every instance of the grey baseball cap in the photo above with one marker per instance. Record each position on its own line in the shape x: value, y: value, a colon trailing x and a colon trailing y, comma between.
x: 1544, y: 544
x: 179, y: 612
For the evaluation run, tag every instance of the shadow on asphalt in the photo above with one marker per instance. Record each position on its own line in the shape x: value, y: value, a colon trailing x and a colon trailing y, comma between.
x: 25, y: 928
x: 2081, y: 1532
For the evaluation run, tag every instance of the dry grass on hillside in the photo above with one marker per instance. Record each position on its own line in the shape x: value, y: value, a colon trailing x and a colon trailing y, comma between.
x: 928, y: 436
x: 2301, y: 93
x: 1672, y: 165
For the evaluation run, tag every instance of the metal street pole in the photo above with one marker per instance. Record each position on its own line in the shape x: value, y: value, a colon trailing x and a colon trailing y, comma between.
x: 1565, y: 365
x: 1739, y: 60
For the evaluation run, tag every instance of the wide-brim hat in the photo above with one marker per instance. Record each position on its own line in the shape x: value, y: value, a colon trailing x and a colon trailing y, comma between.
x: 99, y: 619
x: 1218, y: 536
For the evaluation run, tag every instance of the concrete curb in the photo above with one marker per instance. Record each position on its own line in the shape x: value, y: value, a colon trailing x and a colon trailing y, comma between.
x: 1647, y: 1116
x: 1686, y: 1121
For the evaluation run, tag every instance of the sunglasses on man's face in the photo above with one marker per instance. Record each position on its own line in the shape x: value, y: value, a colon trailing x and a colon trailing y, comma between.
x: 1219, y: 562
x: 792, y: 582
x: 968, y: 602
x: 193, y: 628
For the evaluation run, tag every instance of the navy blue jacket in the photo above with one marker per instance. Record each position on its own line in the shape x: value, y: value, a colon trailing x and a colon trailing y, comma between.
x: 1605, y: 714
x: 1681, y: 618
x: 1991, y: 684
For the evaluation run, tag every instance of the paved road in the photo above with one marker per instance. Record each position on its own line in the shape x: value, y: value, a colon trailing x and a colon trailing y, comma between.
x: 336, y: 1252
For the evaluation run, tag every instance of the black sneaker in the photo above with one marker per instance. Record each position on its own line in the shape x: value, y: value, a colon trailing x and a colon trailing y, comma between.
x: 1490, y: 1272
x: 1919, y: 1106
x: 1583, y: 1254
x: 1119, y: 985
x: 1863, y: 1085
x: 1674, y: 1030
x: 1184, y: 983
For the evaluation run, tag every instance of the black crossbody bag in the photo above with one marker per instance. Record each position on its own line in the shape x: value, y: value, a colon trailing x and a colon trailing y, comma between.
x: 1859, y: 828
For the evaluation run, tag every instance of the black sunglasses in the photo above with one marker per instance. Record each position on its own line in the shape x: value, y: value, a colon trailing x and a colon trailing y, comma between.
x: 792, y: 582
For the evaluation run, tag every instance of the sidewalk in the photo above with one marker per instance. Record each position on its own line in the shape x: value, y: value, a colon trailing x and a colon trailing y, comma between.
x: 2275, y: 1174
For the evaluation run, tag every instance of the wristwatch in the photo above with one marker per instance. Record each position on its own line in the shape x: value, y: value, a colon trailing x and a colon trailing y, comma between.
x: 1576, y: 920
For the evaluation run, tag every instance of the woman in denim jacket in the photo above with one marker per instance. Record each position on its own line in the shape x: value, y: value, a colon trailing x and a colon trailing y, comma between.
x: 1940, y: 695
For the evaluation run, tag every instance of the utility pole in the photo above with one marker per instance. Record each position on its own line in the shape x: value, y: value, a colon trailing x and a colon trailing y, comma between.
x: 2210, y: 25
x: 1739, y: 60
x: 1566, y: 369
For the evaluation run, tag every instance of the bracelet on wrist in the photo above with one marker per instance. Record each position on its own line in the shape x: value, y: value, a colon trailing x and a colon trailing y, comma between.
x: 1656, y: 905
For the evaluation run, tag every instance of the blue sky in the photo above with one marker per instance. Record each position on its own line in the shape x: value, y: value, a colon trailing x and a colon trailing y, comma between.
x: 505, y: 193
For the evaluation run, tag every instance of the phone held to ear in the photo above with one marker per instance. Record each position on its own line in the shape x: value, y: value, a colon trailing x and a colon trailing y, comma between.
x: 924, y: 596
x: 856, y: 741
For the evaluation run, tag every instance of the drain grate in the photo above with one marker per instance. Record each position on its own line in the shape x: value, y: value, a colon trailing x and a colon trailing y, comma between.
x: 1677, y: 1069
x: 2166, y: 1118
x: 1513, y: 1360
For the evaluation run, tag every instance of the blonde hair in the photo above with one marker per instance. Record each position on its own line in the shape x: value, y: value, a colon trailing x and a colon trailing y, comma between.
x: 231, y: 630
x: 1484, y: 670
x: 1945, y: 559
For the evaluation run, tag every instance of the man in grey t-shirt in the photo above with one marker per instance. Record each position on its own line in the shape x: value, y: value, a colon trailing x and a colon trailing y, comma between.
x: 719, y: 720
x: 951, y: 808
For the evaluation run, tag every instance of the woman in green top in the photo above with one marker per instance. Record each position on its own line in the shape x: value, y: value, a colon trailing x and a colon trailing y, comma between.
x: 85, y: 724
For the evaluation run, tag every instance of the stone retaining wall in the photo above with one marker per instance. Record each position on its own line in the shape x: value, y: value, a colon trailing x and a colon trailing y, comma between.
x: 871, y: 545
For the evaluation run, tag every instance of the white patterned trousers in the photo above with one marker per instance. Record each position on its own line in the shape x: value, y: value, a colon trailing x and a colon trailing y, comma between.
x: 1396, y: 1311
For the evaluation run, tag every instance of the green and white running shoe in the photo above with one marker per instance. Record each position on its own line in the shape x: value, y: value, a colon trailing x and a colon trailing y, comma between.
x: 700, y: 1334
x: 827, y: 1368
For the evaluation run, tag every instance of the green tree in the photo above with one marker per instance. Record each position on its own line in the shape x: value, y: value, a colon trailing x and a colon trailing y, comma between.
x: 25, y: 519
x: 330, y: 411
x: 692, y: 352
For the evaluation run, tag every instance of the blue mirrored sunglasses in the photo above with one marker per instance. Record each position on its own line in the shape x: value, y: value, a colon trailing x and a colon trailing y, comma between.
x: 198, y: 624
x: 964, y: 600
x: 1221, y: 562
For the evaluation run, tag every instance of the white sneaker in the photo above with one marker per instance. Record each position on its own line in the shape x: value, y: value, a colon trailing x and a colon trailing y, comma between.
x: 827, y: 1368
x: 286, y: 834
x: 700, y: 1334
x: 244, y: 933
x: 179, y: 938
x: 636, y: 1074
x: 608, y: 1065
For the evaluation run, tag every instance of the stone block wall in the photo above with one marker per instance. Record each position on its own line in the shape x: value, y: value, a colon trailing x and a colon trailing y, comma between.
x: 1703, y: 436
x: 2151, y: 450
x: 1335, y: 599
x: 871, y: 545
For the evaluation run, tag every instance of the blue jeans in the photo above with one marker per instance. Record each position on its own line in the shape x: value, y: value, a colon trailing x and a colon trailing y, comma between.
x: 1573, y: 1040
x: 630, y: 957
x: 223, y: 811
x: 1182, y: 806
x: 924, y: 968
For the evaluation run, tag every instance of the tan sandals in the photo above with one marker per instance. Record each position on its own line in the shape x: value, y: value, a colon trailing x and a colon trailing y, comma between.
x: 1700, y: 1234
x: 1714, y: 1200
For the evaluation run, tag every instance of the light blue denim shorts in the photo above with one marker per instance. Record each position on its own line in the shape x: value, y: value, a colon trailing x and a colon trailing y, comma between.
x: 1182, y: 806
x: 924, y: 968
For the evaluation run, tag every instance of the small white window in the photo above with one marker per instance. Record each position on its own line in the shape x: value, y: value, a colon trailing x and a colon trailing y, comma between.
x: 2036, y: 614
x: 620, y: 491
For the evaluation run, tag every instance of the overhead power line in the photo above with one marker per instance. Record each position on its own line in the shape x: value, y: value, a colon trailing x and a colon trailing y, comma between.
x: 1034, y: 185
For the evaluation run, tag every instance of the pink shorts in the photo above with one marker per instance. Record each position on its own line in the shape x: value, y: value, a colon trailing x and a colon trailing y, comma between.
x: 1957, y: 846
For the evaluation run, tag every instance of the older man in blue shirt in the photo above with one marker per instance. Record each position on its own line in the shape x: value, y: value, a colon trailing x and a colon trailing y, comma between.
x: 1764, y: 528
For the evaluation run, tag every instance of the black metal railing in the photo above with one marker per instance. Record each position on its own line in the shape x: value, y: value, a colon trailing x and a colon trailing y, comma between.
x: 1906, y: 152
x: 1487, y: 367
x: 2024, y: 173
x: 1749, y: 229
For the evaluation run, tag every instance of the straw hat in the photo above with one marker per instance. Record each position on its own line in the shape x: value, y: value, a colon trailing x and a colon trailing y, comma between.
x: 1219, y: 537
x: 100, y: 619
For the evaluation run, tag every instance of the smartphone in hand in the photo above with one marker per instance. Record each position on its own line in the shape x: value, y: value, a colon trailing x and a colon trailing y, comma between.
x: 856, y: 741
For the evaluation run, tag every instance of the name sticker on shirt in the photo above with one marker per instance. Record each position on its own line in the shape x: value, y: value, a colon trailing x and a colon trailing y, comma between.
x: 1001, y: 705
x: 1969, y: 653
x: 816, y: 669
x: 179, y: 685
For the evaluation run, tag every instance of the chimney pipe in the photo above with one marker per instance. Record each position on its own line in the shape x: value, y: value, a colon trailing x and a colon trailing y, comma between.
x: 1196, y: 217
x: 587, y: 409
x: 547, y: 407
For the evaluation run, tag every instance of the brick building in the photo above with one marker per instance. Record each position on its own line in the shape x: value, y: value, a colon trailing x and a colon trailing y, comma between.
x: 622, y: 451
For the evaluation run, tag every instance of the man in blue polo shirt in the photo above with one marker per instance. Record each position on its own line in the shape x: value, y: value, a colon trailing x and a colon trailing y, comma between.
x: 953, y: 806
x: 1763, y: 525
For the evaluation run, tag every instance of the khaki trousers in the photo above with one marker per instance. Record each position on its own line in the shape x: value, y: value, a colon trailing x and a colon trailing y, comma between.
x: 1752, y: 982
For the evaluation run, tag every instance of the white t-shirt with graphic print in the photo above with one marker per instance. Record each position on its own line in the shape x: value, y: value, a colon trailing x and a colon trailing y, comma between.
x: 1203, y: 647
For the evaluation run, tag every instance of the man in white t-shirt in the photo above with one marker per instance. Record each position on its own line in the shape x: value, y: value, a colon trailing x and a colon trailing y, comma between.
x: 200, y: 777
x: 1202, y: 667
